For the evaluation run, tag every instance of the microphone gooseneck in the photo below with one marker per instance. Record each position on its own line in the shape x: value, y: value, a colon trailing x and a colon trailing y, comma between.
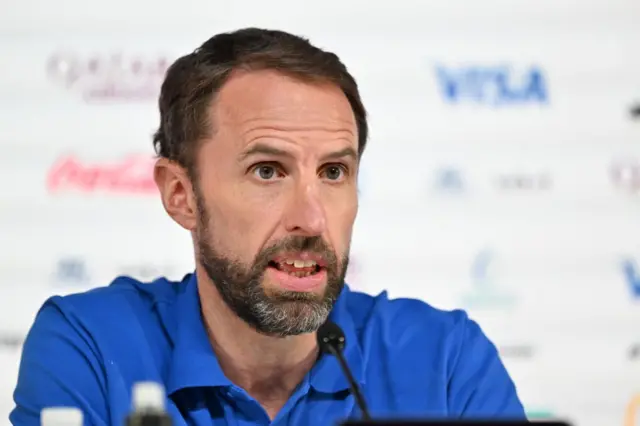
x: 331, y: 339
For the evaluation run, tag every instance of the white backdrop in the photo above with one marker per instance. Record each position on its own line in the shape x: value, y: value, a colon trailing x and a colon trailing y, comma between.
x: 502, y: 175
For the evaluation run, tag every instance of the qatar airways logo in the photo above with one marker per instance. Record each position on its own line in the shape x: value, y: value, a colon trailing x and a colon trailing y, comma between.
x: 132, y: 174
x: 109, y: 77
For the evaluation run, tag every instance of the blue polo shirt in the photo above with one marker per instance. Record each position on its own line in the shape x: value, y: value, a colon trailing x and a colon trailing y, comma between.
x: 87, y: 350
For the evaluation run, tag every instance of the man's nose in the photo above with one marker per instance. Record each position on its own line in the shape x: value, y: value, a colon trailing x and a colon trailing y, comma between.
x: 305, y: 214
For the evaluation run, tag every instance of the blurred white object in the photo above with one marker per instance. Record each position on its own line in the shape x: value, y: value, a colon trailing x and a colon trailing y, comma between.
x: 148, y: 396
x: 61, y: 416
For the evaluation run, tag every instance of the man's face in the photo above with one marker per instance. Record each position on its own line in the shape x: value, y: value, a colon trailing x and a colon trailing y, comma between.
x: 277, y: 198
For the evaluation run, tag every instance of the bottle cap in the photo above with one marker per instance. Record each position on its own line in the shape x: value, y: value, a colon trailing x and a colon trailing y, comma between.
x: 61, y: 416
x: 148, y: 396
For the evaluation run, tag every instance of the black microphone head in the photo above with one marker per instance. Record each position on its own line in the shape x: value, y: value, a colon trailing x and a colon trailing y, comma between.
x: 330, y: 335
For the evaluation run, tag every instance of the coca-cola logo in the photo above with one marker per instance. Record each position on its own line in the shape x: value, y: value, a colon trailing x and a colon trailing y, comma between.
x: 131, y: 175
x: 111, y: 76
x: 626, y: 175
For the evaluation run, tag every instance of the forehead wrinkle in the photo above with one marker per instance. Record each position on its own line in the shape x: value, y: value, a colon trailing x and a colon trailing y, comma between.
x: 242, y: 117
x: 280, y: 125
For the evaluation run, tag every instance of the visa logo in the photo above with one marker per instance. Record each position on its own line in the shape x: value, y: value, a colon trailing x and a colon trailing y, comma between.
x: 494, y: 86
x: 632, y: 277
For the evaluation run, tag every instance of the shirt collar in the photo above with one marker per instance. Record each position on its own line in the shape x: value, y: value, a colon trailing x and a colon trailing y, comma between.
x: 194, y: 364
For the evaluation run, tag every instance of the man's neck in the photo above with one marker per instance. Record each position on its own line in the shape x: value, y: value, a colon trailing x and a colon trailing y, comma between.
x: 268, y: 368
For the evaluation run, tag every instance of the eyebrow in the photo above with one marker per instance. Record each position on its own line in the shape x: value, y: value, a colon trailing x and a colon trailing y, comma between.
x: 270, y: 150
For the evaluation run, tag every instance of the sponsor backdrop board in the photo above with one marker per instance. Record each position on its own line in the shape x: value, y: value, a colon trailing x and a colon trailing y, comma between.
x: 502, y: 174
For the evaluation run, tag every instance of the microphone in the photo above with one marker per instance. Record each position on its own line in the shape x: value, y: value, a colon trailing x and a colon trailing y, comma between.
x: 331, y: 339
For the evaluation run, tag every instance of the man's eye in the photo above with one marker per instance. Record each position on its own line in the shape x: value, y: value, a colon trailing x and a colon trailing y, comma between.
x: 334, y: 172
x: 266, y: 171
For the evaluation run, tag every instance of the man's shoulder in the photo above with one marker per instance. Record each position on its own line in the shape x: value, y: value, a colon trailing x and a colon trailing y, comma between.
x: 403, y: 316
x: 80, y: 342
x: 125, y: 314
x: 414, y: 344
x: 124, y: 296
x: 128, y: 320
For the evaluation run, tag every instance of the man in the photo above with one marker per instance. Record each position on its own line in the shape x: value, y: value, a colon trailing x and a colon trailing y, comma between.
x: 259, y: 145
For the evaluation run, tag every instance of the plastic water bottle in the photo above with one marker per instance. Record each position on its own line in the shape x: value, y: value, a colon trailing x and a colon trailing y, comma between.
x: 61, y: 416
x: 148, y: 406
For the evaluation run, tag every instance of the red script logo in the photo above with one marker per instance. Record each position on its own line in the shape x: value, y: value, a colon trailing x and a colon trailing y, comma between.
x: 131, y: 175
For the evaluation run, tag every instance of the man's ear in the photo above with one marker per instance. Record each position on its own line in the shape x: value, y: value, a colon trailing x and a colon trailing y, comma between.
x: 176, y: 191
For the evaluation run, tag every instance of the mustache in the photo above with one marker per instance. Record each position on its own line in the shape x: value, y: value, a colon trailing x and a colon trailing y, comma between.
x: 296, y: 243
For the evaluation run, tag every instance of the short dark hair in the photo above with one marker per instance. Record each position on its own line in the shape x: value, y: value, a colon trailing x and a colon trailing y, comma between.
x: 193, y: 80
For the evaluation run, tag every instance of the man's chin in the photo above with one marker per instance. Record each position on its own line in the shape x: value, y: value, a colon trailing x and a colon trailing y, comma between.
x: 289, y: 298
x: 290, y: 314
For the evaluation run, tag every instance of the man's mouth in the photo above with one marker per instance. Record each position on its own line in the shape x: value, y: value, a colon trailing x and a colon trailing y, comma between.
x: 296, y: 267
